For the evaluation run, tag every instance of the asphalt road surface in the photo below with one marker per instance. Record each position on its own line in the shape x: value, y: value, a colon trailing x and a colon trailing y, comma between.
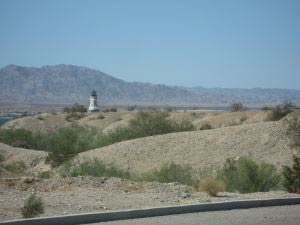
x: 279, y: 215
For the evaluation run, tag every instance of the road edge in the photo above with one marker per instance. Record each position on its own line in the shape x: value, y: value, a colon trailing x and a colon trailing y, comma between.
x: 152, y: 212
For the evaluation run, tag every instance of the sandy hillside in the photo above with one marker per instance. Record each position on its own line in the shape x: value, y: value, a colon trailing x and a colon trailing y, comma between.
x: 45, y: 122
x: 34, y: 160
x: 108, y: 121
x: 265, y: 141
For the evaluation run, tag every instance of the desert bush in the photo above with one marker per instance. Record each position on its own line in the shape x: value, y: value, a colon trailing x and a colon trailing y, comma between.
x: 96, y: 168
x: 172, y: 172
x: 212, y: 186
x: 205, y: 126
x: 110, y: 110
x: 45, y: 174
x: 100, y: 117
x: 280, y: 111
x: 245, y: 175
x: 236, y: 106
x: 74, y: 116
x: 291, y: 176
x: 68, y: 142
x: 76, y: 108
x: 17, y: 138
x: 33, y: 206
x: 154, y: 122
x: 131, y: 108
x: 15, y: 167
x: 266, y: 108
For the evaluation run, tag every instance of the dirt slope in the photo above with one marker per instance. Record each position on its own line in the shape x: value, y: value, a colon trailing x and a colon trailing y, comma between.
x: 34, y: 160
x: 265, y: 141
x: 107, y: 121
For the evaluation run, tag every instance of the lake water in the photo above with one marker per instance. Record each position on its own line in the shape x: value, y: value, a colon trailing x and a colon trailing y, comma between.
x: 4, y: 120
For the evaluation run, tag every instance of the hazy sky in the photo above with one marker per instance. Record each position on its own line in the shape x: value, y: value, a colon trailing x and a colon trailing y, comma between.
x: 212, y: 43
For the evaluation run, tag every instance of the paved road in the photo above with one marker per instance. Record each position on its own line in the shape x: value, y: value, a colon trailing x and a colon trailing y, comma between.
x: 279, y: 215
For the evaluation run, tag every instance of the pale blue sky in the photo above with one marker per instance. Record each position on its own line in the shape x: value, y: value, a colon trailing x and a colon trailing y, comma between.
x: 212, y: 43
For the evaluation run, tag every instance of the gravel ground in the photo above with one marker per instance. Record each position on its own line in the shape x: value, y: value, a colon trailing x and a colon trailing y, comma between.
x: 88, y: 194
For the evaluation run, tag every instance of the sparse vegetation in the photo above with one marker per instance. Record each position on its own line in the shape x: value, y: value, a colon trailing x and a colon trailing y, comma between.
x: 212, y: 186
x: 169, y: 172
x: 245, y: 175
x: 33, y: 206
x: 18, y: 138
x: 280, y: 111
x: 76, y: 108
x: 15, y: 167
x: 101, y: 116
x: 67, y: 142
x: 291, y: 176
x: 206, y: 126
x: 75, y: 112
x: 236, y: 106
x: 96, y: 168
x: 110, y: 110
x: 74, y: 116
x: 266, y: 108
x: 172, y: 172
x: 131, y: 108
x: 154, y: 122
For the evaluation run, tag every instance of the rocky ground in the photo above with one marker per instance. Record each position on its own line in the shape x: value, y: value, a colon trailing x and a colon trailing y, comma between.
x: 235, y: 135
x: 89, y: 194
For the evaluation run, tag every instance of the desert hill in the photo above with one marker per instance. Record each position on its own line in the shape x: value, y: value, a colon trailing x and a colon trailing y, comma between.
x: 234, y: 134
x: 67, y: 84
x: 265, y: 141
x: 107, y: 121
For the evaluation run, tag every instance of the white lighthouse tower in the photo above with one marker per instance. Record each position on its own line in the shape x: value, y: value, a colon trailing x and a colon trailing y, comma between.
x: 93, y: 102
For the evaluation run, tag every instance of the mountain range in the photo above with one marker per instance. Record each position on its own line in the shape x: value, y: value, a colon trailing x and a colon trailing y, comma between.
x: 67, y: 84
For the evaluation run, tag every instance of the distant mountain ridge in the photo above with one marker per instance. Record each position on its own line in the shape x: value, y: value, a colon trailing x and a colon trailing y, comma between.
x: 67, y: 84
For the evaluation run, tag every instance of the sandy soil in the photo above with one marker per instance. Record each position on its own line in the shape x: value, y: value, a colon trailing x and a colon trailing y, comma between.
x: 87, y: 194
x: 207, y: 149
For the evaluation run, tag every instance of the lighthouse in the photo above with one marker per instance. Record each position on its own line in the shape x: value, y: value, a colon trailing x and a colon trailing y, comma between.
x: 93, y: 102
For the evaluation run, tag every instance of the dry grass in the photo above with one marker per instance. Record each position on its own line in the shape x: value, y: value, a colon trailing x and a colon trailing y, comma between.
x: 212, y: 186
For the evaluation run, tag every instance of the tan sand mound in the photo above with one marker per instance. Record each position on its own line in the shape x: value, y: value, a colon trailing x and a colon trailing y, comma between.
x: 108, y: 121
x: 265, y: 141
x: 34, y: 160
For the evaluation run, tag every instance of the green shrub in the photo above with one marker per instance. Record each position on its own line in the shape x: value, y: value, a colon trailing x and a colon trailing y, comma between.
x: 245, y: 175
x: 100, y: 117
x: 45, y: 175
x: 15, y: 167
x: 212, y: 186
x: 205, y: 126
x: 68, y: 142
x: 17, y: 138
x: 266, y: 108
x: 236, y: 106
x: 33, y: 206
x: 74, y: 116
x: 110, y: 110
x: 280, y: 111
x: 76, y: 108
x: 154, y: 122
x: 94, y: 168
x: 172, y: 172
x: 292, y: 176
